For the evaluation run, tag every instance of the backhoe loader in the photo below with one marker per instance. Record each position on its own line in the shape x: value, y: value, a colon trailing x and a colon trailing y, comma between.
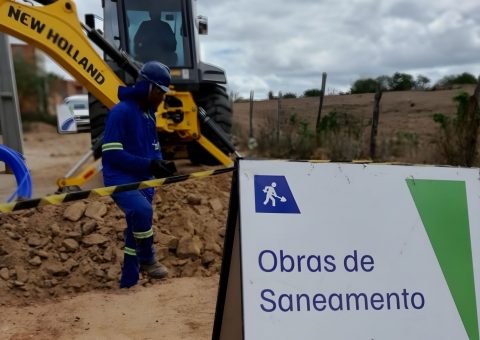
x: 197, y: 95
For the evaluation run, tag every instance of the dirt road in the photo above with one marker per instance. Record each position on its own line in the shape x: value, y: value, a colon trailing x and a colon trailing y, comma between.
x: 180, y: 308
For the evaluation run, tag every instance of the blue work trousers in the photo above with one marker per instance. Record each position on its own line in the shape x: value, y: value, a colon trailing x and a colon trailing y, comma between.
x: 137, y: 206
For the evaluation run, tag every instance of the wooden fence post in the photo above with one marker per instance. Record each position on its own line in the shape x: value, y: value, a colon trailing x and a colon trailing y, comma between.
x: 376, y: 114
x: 320, y: 105
x: 279, y: 108
x: 250, y: 133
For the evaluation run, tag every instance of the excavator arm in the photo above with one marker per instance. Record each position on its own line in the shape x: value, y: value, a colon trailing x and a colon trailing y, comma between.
x: 55, y: 29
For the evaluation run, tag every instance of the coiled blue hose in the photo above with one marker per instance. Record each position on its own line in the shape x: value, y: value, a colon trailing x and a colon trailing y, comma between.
x: 15, y: 161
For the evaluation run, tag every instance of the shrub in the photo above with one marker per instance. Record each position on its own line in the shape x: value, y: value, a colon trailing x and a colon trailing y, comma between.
x: 401, y: 82
x: 341, y: 134
x: 403, y: 144
x: 421, y: 83
x: 296, y: 141
x: 460, y: 79
x: 289, y: 95
x: 458, y: 133
x: 312, y: 93
x: 368, y: 85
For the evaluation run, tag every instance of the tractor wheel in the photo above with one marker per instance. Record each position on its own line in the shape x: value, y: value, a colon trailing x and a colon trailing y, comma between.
x: 214, y: 100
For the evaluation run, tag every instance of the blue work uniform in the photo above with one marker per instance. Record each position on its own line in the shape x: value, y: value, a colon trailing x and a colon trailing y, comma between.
x: 130, y: 142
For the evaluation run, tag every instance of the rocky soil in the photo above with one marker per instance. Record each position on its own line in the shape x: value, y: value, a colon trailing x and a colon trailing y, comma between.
x: 56, y: 251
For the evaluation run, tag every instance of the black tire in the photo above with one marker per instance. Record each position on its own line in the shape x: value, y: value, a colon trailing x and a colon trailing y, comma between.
x: 214, y: 100
x: 98, y: 115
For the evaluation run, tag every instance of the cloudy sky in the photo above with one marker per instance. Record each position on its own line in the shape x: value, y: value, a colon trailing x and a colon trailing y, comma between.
x: 285, y: 45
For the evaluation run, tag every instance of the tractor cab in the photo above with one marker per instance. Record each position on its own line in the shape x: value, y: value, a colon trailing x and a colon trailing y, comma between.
x: 166, y: 31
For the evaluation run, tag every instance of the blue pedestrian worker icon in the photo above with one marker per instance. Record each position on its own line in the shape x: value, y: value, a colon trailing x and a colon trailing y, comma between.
x: 273, y: 195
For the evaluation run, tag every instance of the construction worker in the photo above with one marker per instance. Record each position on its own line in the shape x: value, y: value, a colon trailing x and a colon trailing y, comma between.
x: 131, y: 153
x: 156, y: 39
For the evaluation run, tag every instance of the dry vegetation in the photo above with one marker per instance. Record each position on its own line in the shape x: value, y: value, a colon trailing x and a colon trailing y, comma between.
x: 406, y: 133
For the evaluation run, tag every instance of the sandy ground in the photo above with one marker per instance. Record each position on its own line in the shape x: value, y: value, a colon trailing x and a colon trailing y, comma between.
x: 180, y: 308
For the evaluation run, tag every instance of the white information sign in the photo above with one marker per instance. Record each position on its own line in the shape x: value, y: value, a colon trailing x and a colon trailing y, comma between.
x: 359, y: 251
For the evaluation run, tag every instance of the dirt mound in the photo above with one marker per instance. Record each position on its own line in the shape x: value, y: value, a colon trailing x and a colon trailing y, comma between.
x: 59, y: 250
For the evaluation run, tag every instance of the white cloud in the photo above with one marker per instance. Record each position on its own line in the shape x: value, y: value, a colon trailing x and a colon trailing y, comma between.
x: 286, y: 45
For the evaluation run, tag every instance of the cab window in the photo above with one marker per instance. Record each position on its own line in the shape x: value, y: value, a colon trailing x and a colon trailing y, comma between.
x: 156, y: 31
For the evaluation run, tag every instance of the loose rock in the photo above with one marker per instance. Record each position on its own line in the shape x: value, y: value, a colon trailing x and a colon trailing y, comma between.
x: 43, y: 254
x: 216, y: 204
x: 75, y: 211
x: 208, y: 257
x: 76, y: 235
x: 162, y: 253
x: 89, y: 227
x: 70, y: 264
x: 165, y: 240
x: 13, y: 236
x: 55, y: 229
x: 77, y: 282
x: 194, y: 200
x: 21, y: 274
x: 189, y: 247
x: 94, y: 239
x: 36, y: 261
x: 221, y: 231
x: 54, y: 268
x: 5, y: 273
x: 96, y: 210
x: 70, y: 244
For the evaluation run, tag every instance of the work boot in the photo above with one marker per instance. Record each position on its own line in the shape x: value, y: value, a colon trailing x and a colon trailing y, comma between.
x: 154, y: 270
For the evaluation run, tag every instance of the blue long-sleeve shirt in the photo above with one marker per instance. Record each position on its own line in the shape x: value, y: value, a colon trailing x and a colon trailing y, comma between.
x: 130, y: 141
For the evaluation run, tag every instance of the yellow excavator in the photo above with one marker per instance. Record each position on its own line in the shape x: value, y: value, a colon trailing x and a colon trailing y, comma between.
x: 196, y: 113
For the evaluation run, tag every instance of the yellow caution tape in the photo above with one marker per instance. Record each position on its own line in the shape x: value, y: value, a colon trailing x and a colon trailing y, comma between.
x: 105, y: 191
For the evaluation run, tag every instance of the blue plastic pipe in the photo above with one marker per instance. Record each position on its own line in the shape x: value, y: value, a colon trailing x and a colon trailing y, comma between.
x: 15, y: 161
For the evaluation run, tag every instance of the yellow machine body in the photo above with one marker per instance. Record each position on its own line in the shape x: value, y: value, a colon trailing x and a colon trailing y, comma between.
x: 56, y: 30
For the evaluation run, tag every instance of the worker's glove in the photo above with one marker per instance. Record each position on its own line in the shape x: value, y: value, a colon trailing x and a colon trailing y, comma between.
x: 161, y: 168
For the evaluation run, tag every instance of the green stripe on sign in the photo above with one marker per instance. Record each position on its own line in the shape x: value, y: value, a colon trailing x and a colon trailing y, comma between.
x: 443, y: 208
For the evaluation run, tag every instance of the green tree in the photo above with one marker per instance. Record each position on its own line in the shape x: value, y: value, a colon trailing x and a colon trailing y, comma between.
x: 368, y: 85
x: 465, y: 78
x: 384, y: 81
x: 27, y: 77
x: 459, y: 79
x: 33, y: 86
x: 458, y: 134
x: 401, y: 82
x: 421, y: 82
x: 446, y: 81
x: 289, y: 95
x: 312, y: 93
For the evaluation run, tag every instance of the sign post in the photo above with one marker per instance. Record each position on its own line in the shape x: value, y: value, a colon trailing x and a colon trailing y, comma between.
x: 355, y: 251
